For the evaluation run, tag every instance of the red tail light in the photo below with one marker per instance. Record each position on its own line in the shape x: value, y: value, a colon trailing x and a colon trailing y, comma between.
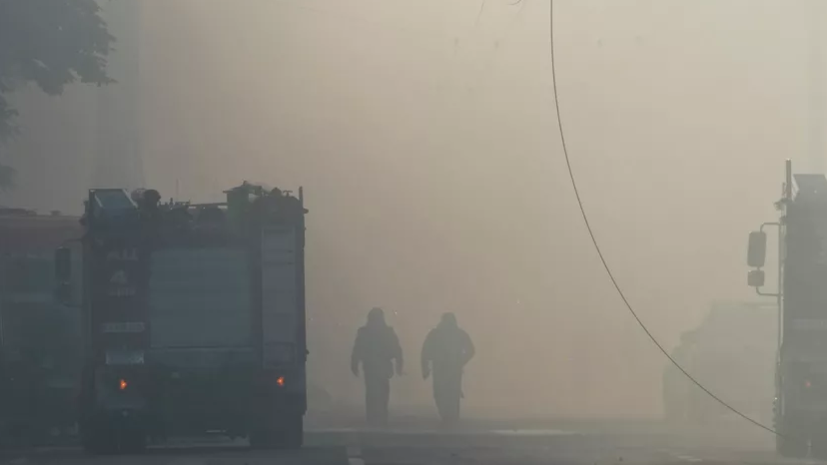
x: 280, y: 381
x: 122, y: 384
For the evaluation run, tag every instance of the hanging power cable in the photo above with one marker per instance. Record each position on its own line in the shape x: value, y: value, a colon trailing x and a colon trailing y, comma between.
x: 599, y: 251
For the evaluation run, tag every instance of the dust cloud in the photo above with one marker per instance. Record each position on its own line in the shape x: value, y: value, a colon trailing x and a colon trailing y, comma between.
x: 424, y: 135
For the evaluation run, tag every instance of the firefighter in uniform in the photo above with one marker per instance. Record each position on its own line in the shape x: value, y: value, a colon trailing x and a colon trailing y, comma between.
x: 376, y: 349
x: 446, y: 351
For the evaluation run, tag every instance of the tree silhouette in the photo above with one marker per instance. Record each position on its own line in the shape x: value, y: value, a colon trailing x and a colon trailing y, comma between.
x: 51, y: 43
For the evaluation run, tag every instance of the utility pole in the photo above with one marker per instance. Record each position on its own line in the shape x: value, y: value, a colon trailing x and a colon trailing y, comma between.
x: 817, y: 86
x: 117, y: 158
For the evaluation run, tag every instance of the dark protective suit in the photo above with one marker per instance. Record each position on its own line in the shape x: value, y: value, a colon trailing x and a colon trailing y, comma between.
x: 446, y: 351
x: 376, y: 347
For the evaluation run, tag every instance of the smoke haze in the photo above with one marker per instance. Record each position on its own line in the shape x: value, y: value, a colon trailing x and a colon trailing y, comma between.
x: 424, y: 136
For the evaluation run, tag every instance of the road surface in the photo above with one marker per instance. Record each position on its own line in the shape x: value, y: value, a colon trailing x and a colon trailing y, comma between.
x: 483, y: 444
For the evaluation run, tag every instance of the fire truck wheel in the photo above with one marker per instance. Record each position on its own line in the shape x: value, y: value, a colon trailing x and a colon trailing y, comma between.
x: 282, y: 433
x: 791, y: 448
x: 132, y: 442
x: 98, y: 441
x: 818, y: 445
x: 113, y: 438
x: 294, y: 433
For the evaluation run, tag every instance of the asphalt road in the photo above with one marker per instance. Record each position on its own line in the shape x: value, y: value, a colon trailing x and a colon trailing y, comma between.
x: 479, y: 444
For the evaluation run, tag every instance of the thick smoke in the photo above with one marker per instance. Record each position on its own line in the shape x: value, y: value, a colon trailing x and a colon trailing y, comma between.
x: 424, y: 136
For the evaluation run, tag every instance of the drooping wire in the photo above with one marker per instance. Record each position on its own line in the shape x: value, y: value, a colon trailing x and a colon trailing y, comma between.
x: 599, y: 251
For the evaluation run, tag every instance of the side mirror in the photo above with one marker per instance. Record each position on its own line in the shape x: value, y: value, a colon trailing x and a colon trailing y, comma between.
x: 755, y: 278
x: 63, y: 275
x: 757, y: 251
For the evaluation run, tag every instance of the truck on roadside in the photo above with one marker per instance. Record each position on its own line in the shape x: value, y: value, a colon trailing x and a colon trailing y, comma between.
x: 731, y: 352
x: 39, y: 338
x: 193, y: 318
x: 800, y: 405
